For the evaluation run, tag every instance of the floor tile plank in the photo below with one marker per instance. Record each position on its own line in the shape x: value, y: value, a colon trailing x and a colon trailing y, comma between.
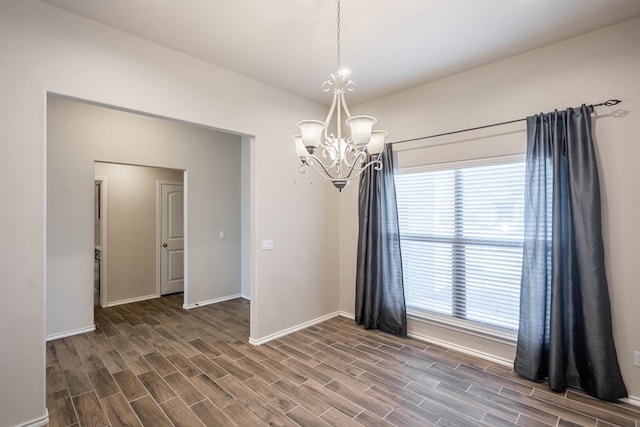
x: 204, y: 348
x: 103, y: 382
x: 78, y: 381
x: 369, y: 419
x: 233, y: 368
x: 162, y: 366
x: 55, y: 379
x: 89, y: 410
x: 156, y: 386
x: 334, y: 400
x: 184, y: 388
x: 207, y: 366
x: 130, y: 385
x: 184, y: 365
x: 302, y: 397
x: 240, y: 391
x: 212, y: 390
x: 210, y: 414
x: 274, y: 417
x: 406, y: 418
x: 180, y: 414
x: 150, y: 413
x: 270, y: 395
x: 119, y: 412
x: 380, y: 409
x: 338, y: 419
x: 113, y: 362
x: 61, y: 411
x: 305, y: 418
x: 242, y: 416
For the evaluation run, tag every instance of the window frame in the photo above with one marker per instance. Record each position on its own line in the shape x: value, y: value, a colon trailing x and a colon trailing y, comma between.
x: 470, y: 327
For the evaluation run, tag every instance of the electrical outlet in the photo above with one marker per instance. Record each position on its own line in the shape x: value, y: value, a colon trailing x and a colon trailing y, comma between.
x: 636, y: 358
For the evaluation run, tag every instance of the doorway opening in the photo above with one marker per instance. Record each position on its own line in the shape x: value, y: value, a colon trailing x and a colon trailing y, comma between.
x: 139, y: 233
x: 219, y: 205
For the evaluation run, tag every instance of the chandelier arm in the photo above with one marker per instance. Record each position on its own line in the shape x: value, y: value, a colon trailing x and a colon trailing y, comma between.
x: 325, y: 154
x: 319, y: 162
x: 351, y: 149
x: 352, y: 167
x: 358, y: 155
x: 376, y: 164
x: 318, y: 170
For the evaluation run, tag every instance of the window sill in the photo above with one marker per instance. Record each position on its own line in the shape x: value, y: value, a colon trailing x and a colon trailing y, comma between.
x: 497, y: 335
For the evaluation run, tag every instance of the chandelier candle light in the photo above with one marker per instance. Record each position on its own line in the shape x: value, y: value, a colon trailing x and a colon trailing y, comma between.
x: 337, y: 158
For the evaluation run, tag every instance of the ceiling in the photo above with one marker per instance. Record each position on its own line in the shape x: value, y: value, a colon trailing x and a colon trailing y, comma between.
x: 389, y: 45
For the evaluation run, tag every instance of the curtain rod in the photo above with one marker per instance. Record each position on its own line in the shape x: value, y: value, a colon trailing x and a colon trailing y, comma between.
x: 607, y: 103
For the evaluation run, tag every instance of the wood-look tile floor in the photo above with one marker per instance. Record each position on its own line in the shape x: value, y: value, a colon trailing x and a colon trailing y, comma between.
x: 153, y: 364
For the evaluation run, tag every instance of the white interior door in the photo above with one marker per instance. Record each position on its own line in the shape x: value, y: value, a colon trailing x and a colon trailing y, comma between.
x: 171, y: 238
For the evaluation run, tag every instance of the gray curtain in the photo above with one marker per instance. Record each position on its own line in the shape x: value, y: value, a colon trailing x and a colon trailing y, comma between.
x: 380, y: 300
x: 565, y: 333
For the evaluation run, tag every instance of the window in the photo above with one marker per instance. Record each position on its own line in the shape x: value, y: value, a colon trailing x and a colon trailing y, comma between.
x: 461, y: 235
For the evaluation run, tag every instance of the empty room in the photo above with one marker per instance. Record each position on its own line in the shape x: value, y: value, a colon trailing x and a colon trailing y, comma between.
x: 384, y: 213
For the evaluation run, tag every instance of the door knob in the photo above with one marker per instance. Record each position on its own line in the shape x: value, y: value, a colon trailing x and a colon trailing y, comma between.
x: 164, y: 245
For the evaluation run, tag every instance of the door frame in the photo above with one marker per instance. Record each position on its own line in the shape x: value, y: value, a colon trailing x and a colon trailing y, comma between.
x: 159, y: 184
x: 104, y: 198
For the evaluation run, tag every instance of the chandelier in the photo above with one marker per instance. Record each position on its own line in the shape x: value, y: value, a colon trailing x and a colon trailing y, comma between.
x: 336, y: 157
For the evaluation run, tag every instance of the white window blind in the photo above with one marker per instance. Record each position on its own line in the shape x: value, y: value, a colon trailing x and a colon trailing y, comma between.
x: 461, y: 233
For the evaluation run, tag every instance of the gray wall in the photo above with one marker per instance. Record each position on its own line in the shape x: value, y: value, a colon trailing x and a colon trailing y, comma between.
x: 132, y: 229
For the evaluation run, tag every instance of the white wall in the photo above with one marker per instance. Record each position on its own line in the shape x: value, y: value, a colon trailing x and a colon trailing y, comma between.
x: 591, y: 68
x: 45, y: 49
x: 132, y: 225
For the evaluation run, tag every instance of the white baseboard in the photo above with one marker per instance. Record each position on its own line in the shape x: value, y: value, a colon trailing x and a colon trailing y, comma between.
x: 449, y: 345
x: 347, y: 315
x: 462, y: 349
x: 71, y: 333
x: 632, y: 400
x: 211, y: 301
x: 293, y: 329
x: 130, y: 300
x: 38, y: 422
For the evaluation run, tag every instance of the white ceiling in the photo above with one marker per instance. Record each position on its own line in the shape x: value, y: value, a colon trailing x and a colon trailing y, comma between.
x: 389, y: 45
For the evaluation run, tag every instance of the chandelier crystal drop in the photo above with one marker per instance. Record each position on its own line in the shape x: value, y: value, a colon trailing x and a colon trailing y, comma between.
x: 336, y: 157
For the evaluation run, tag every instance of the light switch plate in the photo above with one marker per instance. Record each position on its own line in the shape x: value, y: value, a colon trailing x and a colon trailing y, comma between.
x: 267, y: 245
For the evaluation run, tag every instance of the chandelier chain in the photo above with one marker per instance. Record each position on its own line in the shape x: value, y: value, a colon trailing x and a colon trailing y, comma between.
x: 338, y: 37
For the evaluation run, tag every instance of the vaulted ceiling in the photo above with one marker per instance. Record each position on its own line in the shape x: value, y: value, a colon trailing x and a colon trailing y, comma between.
x: 389, y: 45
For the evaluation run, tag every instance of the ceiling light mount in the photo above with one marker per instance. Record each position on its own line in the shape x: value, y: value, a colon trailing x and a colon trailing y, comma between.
x: 335, y: 157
